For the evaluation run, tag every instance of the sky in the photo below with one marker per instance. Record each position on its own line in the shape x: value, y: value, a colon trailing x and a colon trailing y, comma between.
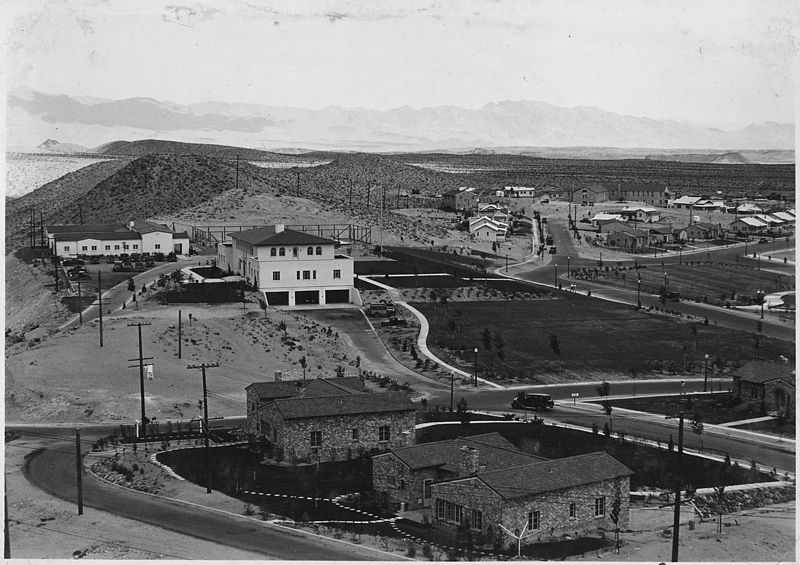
x: 710, y: 62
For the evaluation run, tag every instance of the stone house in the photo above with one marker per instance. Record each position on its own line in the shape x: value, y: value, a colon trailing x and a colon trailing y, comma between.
x: 553, y: 499
x: 770, y: 384
x: 328, y: 419
x: 702, y: 230
x: 628, y: 239
x: 406, y: 474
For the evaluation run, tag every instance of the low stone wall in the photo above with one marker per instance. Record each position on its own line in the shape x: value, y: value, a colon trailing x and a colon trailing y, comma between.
x: 743, y: 497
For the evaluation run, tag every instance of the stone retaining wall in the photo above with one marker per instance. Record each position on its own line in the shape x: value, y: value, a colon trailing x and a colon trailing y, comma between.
x: 743, y: 499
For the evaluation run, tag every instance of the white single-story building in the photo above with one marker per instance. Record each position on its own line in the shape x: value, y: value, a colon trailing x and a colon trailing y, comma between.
x: 139, y: 236
x: 485, y: 228
x: 290, y: 267
x: 520, y: 191
x: 748, y: 225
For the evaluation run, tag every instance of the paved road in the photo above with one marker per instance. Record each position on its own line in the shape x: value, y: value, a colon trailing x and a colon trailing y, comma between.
x: 53, y: 470
x: 548, y: 274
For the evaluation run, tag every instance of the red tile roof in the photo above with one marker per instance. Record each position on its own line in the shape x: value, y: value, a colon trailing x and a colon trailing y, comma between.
x: 553, y: 475
x: 759, y: 371
x: 266, y: 235
x: 494, y: 452
x: 345, y: 404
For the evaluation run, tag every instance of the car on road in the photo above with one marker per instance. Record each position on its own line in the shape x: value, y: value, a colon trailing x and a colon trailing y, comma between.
x: 553, y: 251
x: 763, y: 240
x: 394, y: 321
x: 536, y: 401
x: 139, y: 267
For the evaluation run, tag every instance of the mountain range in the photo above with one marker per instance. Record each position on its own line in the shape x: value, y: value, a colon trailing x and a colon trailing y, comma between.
x: 33, y: 116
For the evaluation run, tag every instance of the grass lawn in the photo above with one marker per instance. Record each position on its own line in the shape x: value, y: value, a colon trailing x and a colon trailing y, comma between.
x: 713, y: 408
x: 703, y: 282
x: 593, y: 336
x: 771, y: 427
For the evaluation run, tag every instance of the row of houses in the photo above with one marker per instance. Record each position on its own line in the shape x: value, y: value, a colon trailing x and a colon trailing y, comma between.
x: 138, y: 236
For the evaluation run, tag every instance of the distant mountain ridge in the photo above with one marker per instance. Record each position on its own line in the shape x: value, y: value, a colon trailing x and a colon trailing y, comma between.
x: 93, y: 121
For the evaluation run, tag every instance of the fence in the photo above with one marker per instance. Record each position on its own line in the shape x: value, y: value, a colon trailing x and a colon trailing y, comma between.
x: 210, y: 236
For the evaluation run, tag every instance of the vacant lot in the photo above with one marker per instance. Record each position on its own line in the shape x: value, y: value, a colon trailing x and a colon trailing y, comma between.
x: 596, y: 339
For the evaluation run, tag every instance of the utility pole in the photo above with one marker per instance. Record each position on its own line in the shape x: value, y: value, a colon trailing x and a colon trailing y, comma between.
x: 180, y: 324
x: 79, y: 470
x: 383, y: 205
x: 676, y: 524
x: 80, y: 303
x: 6, y: 537
x: 141, y: 372
x: 237, y: 171
x: 203, y: 367
x: 100, y: 304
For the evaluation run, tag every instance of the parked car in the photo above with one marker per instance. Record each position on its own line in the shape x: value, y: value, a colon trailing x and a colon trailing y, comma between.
x: 763, y: 240
x: 553, y: 251
x: 149, y: 263
x: 124, y: 257
x: 135, y: 258
x: 72, y: 263
x: 585, y: 221
x: 548, y: 240
x: 172, y: 257
x: 138, y: 266
x: 111, y: 259
x: 95, y: 260
x: 536, y: 401
x: 158, y: 256
x: 78, y: 273
x: 394, y: 321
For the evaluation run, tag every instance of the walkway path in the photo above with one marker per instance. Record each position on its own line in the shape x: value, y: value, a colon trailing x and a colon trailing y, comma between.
x: 424, y: 330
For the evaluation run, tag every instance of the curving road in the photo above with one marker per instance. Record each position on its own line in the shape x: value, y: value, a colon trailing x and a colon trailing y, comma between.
x: 545, y: 275
x: 53, y: 470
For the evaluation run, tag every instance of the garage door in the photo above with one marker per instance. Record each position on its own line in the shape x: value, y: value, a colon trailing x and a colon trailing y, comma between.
x: 278, y: 298
x: 337, y: 296
x: 306, y: 297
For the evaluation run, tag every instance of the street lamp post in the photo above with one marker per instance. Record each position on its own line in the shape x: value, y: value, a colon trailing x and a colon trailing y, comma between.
x: 506, y: 263
x: 567, y: 267
x: 476, y: 366
x: 761, y: 300
x: 555, y: 275
x: 452, y: 376
x: 639, y: 290
x: 705, y: 378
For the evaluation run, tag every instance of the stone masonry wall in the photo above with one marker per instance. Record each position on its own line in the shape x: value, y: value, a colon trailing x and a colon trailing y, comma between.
x: 294, y: 436
x: 553, y: 506
x: 735, y: 500
x: 401, y: 484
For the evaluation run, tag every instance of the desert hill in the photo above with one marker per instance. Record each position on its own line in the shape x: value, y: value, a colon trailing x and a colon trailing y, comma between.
x: 158, y: 146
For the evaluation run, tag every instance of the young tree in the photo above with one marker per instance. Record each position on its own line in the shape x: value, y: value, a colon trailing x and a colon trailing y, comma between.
x: 462, y: 409
x: 604, y: 389
x: 131, y: 285
x: 304, y: 364
x: 499, y: 345
x: 486, y: 338
x: 282, y: 327
x: 607, y: 408
x: 556, y: 347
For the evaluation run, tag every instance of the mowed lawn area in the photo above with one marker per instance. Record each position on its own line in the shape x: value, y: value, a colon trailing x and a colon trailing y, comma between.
x: 595, y: 338
x: 704, y: 282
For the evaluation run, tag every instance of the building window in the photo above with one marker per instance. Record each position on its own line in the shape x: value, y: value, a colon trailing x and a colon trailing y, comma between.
x: 125, y: 246
x: 136, y: 246
x: 295, y: 251
x: 116, y: 248
x: 316, y: 439
x: 314, y: 275
x: 298, y: 275
x: 158, y: 246
x: 94, y: 248
x: 426, y: 488
x: 600, y: 506
x: 108, y: 248
x: 310, y: 251
x: 402, y: 484
x: 337, y: 273
x: 273, y: 252
x: 276, y: 275
x: 572, y: 510
x: 383, y: 433
x: 534, y: 520
x: 66, y: 248
x: 306, y: 275
x: 754, y: 392
x: 476, y: 520
x: 84, y: 248
x: 319, y: 250
x: 449, y: 511
x: 458, y: 513
x: 282, y: 252
x: 440, y: 509
x: 355, y: 434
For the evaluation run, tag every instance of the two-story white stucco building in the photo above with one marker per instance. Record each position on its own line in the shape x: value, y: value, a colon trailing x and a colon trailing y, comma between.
x: 291, y: 268
x: 138, y: 236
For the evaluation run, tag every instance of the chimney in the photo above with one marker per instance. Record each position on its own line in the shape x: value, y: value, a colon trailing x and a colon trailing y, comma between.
x: 278, y: 376
x: 130, y: 225
x: 468, y: 461
x: 279, y: 228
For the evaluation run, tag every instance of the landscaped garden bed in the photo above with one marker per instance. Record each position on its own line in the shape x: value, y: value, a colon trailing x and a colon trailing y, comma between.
x: 713, y: 408
x: 593, y: 337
